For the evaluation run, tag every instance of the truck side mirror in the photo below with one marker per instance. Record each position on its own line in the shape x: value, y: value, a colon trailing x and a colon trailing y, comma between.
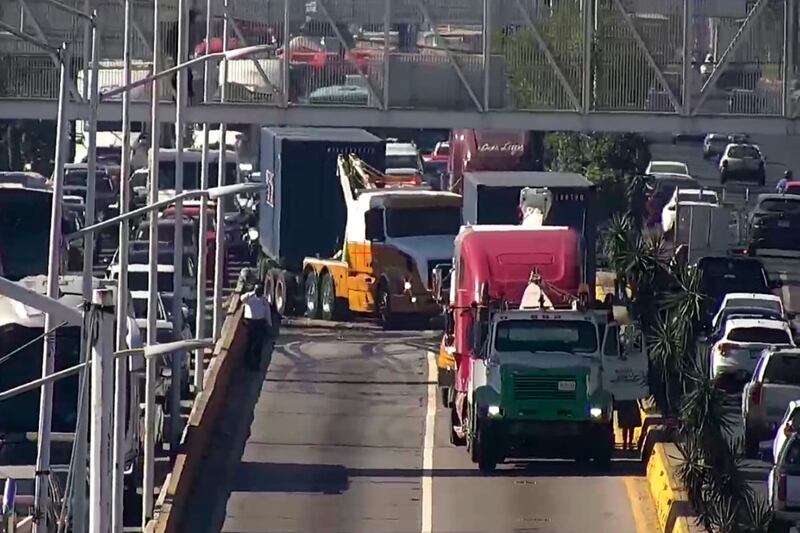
x: 440, y: 283
x: 479, y: 334
x: 449, y: 325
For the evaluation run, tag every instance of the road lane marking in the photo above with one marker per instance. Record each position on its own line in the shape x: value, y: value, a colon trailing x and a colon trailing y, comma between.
x: 642, y: 508
x: 427, y: 450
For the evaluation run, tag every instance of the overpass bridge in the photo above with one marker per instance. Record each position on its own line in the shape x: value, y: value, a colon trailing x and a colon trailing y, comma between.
x: 616, y: 65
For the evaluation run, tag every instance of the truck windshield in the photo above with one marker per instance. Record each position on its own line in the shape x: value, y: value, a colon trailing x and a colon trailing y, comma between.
x: 546, y: 336
x: 402, y: 161
x: 418, y: 221
x: 191, y: 175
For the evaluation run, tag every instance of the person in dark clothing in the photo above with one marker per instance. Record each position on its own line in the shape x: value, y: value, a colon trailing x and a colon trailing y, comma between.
x: 257, y: 321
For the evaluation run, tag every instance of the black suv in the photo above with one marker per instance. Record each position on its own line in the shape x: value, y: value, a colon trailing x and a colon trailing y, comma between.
x: 775, y: 223
x: 723, y: 275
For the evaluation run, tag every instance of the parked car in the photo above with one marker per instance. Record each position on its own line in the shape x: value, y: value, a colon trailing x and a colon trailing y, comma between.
x: 775, y: 383
x: 783, y: 482
x: 685, y: 197
x: 163, y: 312
x: 166, y: 233
x: 788, y: 426
x: 775, y: 223
x: 734, y: 355
x: 742, y: 162
x: 75, y: 176
x: 792, y: 187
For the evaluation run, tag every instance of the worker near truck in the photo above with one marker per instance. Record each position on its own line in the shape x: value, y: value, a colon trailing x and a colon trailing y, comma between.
x: 257, y: 322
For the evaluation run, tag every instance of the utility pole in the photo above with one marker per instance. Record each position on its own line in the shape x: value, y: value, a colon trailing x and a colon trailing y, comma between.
x: 152, y: 284
x: 41, y: 496
x: 102, y: 387
x: 121, y: 365
x: 177, y: 284
x: 219, y: 235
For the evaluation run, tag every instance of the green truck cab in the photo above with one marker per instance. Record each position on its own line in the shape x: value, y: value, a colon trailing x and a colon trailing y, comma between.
x: 544, y: 383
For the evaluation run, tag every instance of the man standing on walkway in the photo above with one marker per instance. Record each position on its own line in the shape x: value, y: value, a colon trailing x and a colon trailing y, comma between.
x: 257, y: 323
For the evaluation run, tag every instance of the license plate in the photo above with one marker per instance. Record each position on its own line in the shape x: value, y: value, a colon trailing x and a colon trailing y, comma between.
x: 566, y: 386
x: 783, y: 223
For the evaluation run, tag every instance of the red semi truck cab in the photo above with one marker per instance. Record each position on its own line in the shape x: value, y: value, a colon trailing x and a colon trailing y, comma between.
x: 496, y: 262
x: 484, y: 150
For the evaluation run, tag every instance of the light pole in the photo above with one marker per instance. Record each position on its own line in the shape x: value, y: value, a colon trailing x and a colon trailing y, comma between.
x: 121, y: 365
x: 177, y: 317
x: 219, y: 235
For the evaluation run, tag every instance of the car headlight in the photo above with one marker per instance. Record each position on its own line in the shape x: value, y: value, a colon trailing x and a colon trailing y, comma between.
x: 596, y: 412
x: 407, y: 285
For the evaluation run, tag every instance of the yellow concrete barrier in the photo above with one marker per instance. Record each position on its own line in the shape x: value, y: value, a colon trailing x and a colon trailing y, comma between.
x: 202, y: 419
x: 675, y: 514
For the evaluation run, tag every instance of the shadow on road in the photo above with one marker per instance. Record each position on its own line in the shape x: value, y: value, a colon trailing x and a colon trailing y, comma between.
x: 212, y: 489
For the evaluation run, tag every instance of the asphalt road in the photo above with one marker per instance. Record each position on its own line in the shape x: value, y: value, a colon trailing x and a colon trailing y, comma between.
x: 343, y: 433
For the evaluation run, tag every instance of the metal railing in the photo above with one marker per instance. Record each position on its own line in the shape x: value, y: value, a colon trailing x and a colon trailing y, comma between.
x: 575, y: 55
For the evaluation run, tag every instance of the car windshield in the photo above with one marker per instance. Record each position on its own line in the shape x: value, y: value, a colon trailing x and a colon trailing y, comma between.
x: 141, y: 257
x: 783, y: 370
x: 443, y: 149
x: 77, y: 178
x: 760, y: 334
x: 754, y: 303
x: 139, y: 179
x: 402, y: 161
x: 418, y: 221
x: 780, y: 205
x: 667, y: 168
x: 166, y: 233
x: 546, y: 336
x: 743, y: 152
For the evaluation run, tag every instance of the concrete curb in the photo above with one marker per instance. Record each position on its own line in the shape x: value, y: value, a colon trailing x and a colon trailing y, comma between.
x: 202, y: 420
x: 675, y: 513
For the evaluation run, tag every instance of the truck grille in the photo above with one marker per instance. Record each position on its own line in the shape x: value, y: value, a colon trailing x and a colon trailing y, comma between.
x: 543, y: 388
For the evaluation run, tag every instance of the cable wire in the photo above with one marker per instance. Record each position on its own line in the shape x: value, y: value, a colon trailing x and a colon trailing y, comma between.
x: 30, y: 342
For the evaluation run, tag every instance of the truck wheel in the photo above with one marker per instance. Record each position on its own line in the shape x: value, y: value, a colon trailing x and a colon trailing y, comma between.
x: 484, y: 451
x: 383, y: 304
x: 311, y: 288
x: 269, y: 287
x: 282, y: 295
x: 605, y: 450
x: 329, y: 310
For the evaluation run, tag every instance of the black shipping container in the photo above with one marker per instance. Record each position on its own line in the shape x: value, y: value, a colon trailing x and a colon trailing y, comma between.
x: 303, y: 213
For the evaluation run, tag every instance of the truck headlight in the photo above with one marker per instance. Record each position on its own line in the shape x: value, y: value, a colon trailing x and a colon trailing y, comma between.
x: 493, y: 410
x: 596, y: 412
x: 406, y: 285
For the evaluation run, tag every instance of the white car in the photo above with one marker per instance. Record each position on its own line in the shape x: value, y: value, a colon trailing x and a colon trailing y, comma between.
x: 736, y: 353
x: 685, y: 197
x: 783, y: 483
x: 787, y: 427
x: 675, y: 168
x: 748, y: 301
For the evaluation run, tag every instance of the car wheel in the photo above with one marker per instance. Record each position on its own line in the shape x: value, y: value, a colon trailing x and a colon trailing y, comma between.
x: 311, y: 289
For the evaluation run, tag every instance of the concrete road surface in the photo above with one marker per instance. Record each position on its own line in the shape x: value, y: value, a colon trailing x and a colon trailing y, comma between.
x: 343, y: 433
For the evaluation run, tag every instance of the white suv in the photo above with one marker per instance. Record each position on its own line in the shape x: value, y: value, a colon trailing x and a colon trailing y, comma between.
x: 736, y: 353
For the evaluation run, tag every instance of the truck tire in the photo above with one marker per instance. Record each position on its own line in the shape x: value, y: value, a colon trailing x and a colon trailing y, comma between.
x: 284, y: 293
x: 311, y: 290
x: 383, y: 307
x: 269, y: 286
x: 330, y: 309
x: 483, y: 451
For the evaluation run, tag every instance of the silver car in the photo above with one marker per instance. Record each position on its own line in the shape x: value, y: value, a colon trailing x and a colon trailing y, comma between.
x: 742, y: 162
